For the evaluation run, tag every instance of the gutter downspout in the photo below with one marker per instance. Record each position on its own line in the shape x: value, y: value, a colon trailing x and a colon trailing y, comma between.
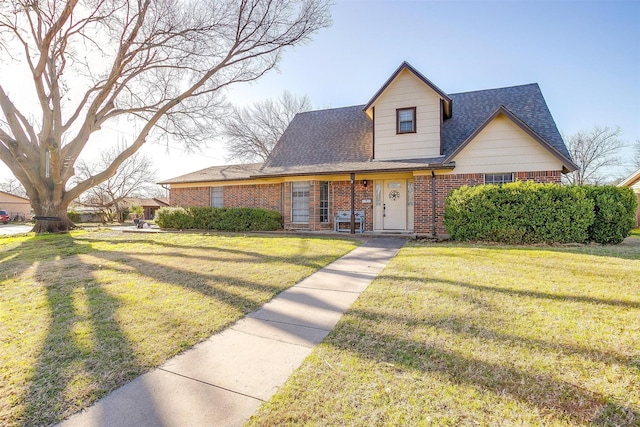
x: 433, y: 204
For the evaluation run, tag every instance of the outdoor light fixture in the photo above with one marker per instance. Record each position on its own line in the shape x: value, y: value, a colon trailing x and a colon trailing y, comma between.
x: 364, y: 182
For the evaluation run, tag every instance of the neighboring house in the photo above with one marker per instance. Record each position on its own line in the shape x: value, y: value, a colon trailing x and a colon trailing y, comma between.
x: 149, y: 206
x: 15, y: 205
x: 87, y: 214
x: 633, y: 181
x: 396, y: 158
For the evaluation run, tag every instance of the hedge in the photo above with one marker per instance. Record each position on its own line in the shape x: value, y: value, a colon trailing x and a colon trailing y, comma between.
x: 221, y: 219
x: 526, y: 212
x: 615, y: 213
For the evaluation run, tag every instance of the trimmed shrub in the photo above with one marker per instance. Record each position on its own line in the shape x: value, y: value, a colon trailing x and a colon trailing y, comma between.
x: 615, y: 213
x: 221, y: 219
x: 174, y: 218
x: 519, y: 212
x: 250, y: 219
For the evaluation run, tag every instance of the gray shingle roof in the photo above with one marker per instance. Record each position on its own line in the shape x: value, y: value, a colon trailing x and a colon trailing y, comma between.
x: 342, y: 138
x: 337, y: 135
x: 471, y: 109
x: 218, y: 173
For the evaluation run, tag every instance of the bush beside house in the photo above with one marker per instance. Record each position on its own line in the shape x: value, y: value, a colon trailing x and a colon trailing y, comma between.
x: 526, y: 212
x: 220, y: 219
x: 615, y: 213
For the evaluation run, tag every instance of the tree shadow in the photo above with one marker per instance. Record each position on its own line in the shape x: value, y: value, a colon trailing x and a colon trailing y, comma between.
x: 86, y: 353
x: 524, y: 293
x: 83, y: 346
x: 629, y: 249
x: 246, y: 255
x: 554, y: 397
x: 453, y: 324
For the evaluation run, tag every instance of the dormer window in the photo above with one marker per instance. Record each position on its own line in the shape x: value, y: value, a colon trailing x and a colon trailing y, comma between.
x: 406, y: 120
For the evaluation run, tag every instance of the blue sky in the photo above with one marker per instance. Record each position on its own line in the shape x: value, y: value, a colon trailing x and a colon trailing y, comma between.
x: 584, y: 55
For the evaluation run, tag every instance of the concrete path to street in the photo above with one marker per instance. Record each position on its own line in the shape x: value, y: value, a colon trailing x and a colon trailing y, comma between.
x: 11, y: 229
x: 222, y: 381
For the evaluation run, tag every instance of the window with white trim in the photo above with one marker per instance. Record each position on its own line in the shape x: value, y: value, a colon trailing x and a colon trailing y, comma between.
x: 300, y: 202
x: 217, y: 197
x: 498, y: 178
x: 324, y: 201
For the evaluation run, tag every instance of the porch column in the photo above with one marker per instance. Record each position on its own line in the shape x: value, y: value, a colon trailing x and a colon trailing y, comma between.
x: 352, y: 230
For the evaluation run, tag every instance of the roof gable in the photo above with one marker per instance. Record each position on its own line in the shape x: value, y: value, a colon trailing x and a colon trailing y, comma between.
x: 631, y: 180
x: 406, y: 66
x: 525, y: 102
x: 502, y: 110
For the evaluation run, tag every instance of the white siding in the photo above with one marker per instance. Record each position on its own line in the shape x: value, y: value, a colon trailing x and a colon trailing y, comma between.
x: 407, y: 91
x: 503, y: 147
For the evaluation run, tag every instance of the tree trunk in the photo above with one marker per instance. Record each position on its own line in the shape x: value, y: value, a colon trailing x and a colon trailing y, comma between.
x: 51, y: 218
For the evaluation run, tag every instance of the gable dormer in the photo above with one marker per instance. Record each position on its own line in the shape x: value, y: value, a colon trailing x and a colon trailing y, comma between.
x: 407, y: 114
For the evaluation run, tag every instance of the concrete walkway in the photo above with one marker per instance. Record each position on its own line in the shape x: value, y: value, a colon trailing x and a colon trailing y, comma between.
x: 222, y: 381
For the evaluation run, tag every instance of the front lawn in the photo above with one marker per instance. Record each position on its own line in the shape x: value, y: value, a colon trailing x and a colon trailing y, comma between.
x: 466, y: 335
x: 84, y: 313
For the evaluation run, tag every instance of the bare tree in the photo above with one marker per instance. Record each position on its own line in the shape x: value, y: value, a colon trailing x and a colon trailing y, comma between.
x: 635, y: 162
x: 13, y: 186
x: 133, y: 178
x: 252, y: 132
x: 593, y: 151
x: 158, y: 66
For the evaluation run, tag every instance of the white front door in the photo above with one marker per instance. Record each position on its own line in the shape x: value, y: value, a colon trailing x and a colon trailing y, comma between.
x: 394, y: 199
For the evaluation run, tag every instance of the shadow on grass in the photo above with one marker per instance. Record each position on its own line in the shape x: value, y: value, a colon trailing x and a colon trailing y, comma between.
x: 86, y: 353
x: 246, y: 255
x: 554, y: 397
x: 463, y: 327
x: 523, y: 293
x: 629, y: 249
x: 84, y: 348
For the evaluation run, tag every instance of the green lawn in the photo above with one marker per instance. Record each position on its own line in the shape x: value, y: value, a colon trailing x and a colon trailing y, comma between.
x: 84, y: 313
x: 480, y: 335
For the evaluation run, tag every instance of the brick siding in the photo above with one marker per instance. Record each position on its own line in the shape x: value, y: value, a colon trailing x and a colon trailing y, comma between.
x: 341, y: 195
x: 278, y: 197
x: 339, y: 200
x: 188, y: 197
x: 266, y: 196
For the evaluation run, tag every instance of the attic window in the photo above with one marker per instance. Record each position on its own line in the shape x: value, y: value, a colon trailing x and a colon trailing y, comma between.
x: 406, y: 120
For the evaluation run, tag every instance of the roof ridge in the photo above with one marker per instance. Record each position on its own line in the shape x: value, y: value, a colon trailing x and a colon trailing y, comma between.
x: 496, y: 88
x: 333, y: 108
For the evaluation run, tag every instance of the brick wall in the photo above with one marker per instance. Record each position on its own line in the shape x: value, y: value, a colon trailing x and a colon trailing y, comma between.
x: 341, y: 195
x: 278, y: 197
x: 267, y: 196
x: 339, y: 200
x: 192, y: 196
x: 543, y: 177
